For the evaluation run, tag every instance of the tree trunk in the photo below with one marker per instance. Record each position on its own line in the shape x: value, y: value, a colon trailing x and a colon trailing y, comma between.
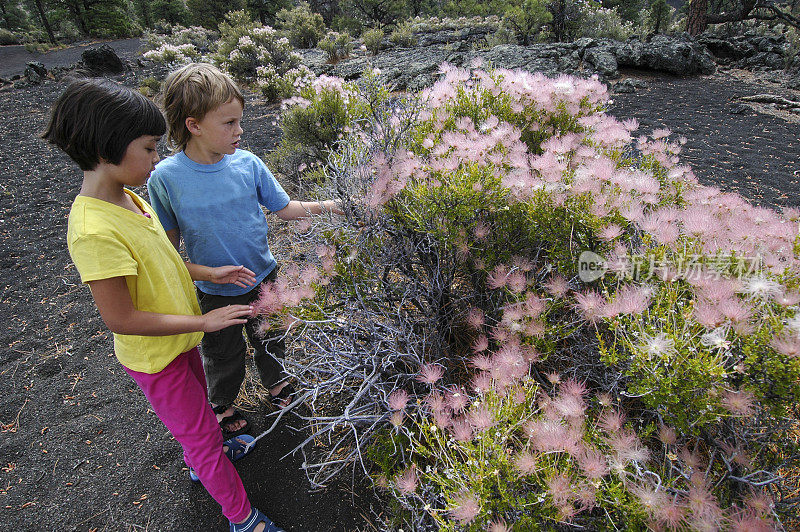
x: 45, y: 22
x: 697, y: 19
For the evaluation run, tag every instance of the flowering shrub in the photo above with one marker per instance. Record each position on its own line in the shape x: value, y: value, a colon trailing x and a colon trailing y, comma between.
x: 252, y: 53
x: 530, y: 317
x: 177, y: 45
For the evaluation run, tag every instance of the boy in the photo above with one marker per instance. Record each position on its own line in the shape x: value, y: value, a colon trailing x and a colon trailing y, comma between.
x: 210, y: 193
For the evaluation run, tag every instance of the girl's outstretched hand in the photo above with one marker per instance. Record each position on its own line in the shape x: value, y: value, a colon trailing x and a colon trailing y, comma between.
x: 238, y: 275
x: 220, y: 318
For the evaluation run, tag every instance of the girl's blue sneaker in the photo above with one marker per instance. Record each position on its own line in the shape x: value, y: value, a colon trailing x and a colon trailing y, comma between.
x: 238, y: 448
x: 253, y: 521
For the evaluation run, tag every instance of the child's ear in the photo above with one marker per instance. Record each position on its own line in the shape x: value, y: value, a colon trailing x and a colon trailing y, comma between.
x: 192, y: 125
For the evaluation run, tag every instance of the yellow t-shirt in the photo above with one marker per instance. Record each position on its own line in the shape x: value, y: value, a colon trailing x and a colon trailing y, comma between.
x: 105, y: 241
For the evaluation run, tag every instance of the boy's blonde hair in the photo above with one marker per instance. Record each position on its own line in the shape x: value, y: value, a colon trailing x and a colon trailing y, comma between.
x: 194, y: 90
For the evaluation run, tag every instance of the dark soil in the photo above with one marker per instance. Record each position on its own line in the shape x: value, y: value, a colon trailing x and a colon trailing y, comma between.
x: 79, y: 447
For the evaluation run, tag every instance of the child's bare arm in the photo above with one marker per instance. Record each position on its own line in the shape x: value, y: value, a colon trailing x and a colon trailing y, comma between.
x: 296, y: 210
x: 116, y: 308
x: 238, y: 275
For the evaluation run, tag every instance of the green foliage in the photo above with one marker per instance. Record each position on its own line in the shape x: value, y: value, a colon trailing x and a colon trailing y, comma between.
x: 376, y: 13
x: 13, y: 18
x: 169, y: 11
x: 311, y: 126
x: 266, y: 10
x: 150, y: 87
x: 627, y: 9
x: 8, y: 37
x: 403, y: 35
x: 337, y: 45
x: 659, y: 17
x: 209, y: 13
x: 303, y: 27
x: 527, y: 20
x: 373, y: 39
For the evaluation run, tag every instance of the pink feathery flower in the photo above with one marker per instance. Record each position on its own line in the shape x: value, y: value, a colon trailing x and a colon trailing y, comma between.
x: 667, y: 435
x: 534, y: 305
x: 481, y: 230
x: 569, y: 406
x: 430, y: 373
x: 407, y: 482
x: 628, y: 447
x: 612, y: 420
x: 498, y: 526
x: 787, y: 299
x: 475, y: 318
x: 482, y: 382
x: 591, y: 305
x: 556, y: 285
x: 559, y: 486
x: 442, y: 419
x: 516, y: 282
x: 633, y: 299
x: 785, y: 344
x: 702, y: 503
x: 462, y: 431
x: 435, y: 402
x: 739, y: 403
x: 482, y: 362
x: 481, y: 418
x: 652, y: 499
x: 498, y: 277
x: 398, y: 399
x: 480, y: 345
x: 707, y: 314
x: 525, y: 463
x: 670, y: 514
x: 457, y: 399
x: 573, y: 387
x: 610, y: 232
x: 593, y: 464
x: 466, y: 508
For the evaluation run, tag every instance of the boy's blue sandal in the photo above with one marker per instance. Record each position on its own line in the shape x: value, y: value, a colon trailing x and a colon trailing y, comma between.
x: 253, y: 521
x: 237, y: 449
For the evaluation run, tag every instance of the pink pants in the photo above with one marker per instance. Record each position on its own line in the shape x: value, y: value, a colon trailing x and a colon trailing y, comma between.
x: 179, y: 398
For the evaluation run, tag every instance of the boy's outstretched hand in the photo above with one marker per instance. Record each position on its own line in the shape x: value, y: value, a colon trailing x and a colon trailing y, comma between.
x: 220, y: 318
x: 238, y: 275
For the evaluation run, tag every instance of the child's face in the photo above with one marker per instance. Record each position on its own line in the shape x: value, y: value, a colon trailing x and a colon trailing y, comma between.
x: 139, y: 160
x: 219, y: 131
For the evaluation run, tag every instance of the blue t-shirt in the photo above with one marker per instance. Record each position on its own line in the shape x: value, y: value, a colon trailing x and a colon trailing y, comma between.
x: 217, y: 208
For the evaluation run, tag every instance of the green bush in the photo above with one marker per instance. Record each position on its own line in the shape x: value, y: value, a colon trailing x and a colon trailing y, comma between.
x: 373, y: 39
x: 8, y: 37
x: 336, y: 45
x: 303, y: 27
x: 403, y: 35
x: 527, y: 20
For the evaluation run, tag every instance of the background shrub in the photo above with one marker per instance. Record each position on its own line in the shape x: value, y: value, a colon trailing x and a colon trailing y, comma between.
x: 336, y: 45
x: 303, y: 27
x: 373, y: 40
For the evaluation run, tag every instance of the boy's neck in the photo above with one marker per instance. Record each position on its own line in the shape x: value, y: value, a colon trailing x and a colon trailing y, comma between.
x: 198, y: 153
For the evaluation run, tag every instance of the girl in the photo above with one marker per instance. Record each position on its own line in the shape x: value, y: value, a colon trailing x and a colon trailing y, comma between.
x: 141, y: 286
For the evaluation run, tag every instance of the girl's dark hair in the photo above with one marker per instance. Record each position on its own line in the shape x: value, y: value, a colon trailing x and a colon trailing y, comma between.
x: 96, y: 119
